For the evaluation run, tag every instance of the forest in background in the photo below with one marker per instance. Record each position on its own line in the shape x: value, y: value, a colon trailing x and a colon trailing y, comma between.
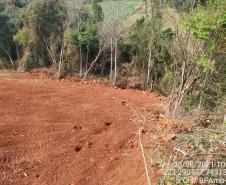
x: 174, y: 47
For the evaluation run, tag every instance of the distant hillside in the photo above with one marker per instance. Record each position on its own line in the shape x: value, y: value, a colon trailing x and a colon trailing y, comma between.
x: 119, y: 8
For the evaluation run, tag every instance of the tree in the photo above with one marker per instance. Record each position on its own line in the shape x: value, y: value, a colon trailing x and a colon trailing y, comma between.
x: 84, y: 32
x: 44, y: 24
x: 114, y: 29
x: 196, y: 51
x: 9, y: 24
x: 154, y: 27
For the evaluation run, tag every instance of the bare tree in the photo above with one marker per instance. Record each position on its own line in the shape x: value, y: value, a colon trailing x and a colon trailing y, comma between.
x: 114, y: 29
x: 8, y: 55
x: 97, y: 57
x: 186, y: 52
x: 154, y: 27
x: 111, y: 68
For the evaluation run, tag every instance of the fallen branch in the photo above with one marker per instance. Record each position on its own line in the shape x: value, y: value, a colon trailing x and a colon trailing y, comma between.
x: 92, y: 64
x: 177, y: 149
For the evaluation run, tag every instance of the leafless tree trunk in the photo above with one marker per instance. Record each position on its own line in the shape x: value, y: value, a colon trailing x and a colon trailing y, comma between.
x: 8, y: 55
x: 48, y: 47
x: 111, y: 70
x: 192, y: 5
x: 87, y: 58
x: 150, y: 65
x: 92, y: 64
x: 116, y: 57
x: 186, y: 52
x: 80, y: 58
x: 22, y: 64
x: 61, y: 60
x: 103, y: 62
x: 80, y: 46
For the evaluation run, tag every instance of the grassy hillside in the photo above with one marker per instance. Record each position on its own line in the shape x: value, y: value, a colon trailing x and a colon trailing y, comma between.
x: 129, y: 12
x: 119, y: 8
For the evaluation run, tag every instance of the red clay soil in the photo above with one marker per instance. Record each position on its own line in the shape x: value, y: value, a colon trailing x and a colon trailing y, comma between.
x: 68, y: 133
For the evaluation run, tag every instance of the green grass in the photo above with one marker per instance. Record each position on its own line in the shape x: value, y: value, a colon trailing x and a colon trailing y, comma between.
x: 121, y: 9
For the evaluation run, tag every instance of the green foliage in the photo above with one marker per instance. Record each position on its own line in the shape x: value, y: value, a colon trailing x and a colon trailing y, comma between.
x: 22, y: 37
x: 208, y: 25
x: 9, y: 24
x: 72, y: 36
x: 87, y: 32
x: 205, y: 64
x: 146, y: 33
x: 162, y: 46
x: 46, y: 16
x: 96, y: 14
x: 32, y: 61
x: 167, y: 83
x: 136, y: 40
x: 205, y: 22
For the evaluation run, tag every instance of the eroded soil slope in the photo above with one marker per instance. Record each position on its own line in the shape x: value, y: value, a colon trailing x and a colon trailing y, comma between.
x: 65, y: 133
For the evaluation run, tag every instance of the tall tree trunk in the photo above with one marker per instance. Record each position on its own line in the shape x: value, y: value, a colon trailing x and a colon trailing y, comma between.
x: 87, y: 58
x: 192, y: 5
x: 17, y: 53
x: 149, y: 66
x: 48, y: 47
x: 116, y: 57
x: 61, y: 60
x: 80, y: 57
x: 111, y: 70
x: 23, y: 61
x: 103, y: 64
x: 80, y: 47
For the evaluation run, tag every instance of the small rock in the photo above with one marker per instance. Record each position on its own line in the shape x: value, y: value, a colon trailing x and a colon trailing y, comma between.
x: 143, y: 131
x: 78, y: 148
x: 123, y: 102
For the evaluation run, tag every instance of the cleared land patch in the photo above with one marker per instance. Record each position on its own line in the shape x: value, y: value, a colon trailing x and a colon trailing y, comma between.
x: 68, y: 133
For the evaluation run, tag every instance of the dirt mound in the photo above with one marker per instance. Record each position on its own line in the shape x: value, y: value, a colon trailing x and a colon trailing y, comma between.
x: 44, y: 73
x: 130, y: 83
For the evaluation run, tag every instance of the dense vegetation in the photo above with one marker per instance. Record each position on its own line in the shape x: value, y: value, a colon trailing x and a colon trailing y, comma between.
x: 177, y: 47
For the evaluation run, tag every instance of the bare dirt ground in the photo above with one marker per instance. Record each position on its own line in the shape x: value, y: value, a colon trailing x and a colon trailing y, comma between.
x: 68, y: 133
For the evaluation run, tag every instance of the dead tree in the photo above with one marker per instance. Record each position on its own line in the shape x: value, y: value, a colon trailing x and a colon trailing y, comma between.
x: 186, y: 51
x: 97, y: 57
x: 8, y: 55
x: 114, y: 29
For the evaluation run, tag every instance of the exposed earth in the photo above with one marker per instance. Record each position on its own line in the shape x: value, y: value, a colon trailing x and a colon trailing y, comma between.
x: 67, y: 133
